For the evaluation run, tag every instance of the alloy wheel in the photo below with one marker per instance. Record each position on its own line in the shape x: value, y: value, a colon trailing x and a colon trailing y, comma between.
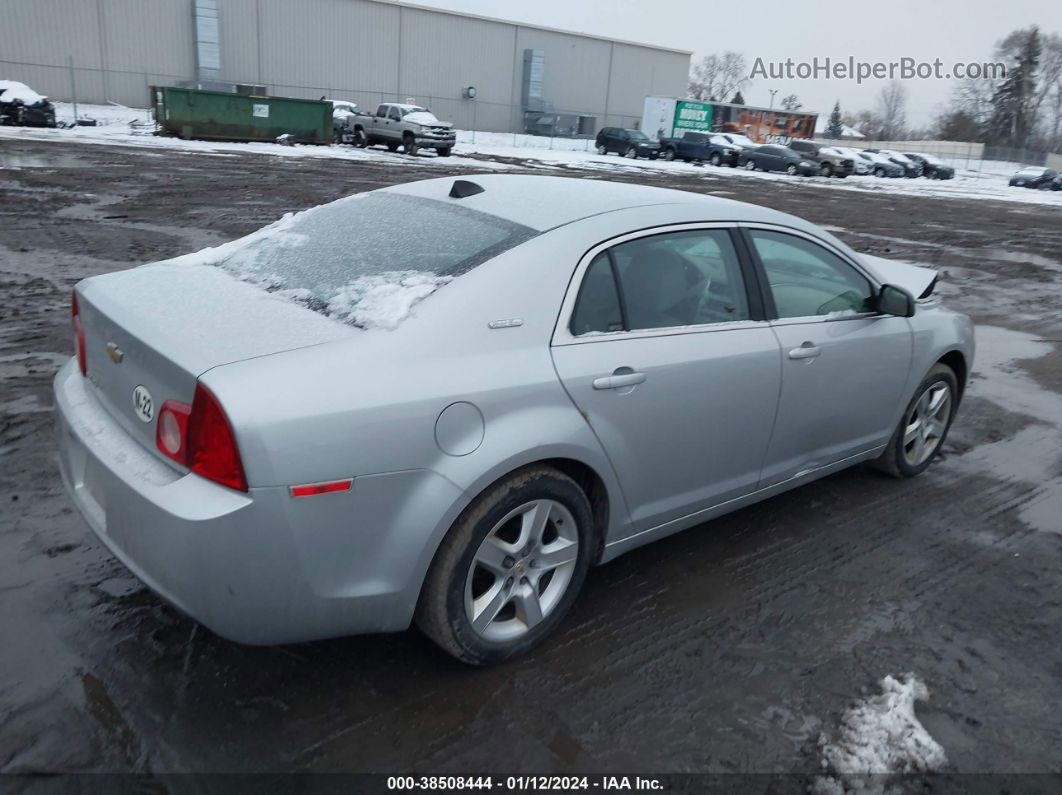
x: 926, y: 424
x: 521, y: 570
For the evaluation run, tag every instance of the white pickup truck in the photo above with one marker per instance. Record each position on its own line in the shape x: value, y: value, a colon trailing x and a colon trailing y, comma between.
x: 409, y: 126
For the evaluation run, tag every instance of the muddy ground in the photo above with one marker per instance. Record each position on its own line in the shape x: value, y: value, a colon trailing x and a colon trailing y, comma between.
x: 728, y: 648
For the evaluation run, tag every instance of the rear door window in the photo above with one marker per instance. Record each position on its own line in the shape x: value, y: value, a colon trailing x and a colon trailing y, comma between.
x: 687, y: 278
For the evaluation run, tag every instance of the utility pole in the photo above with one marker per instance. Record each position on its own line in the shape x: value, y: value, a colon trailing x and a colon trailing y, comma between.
x: 73, y: 85
x: 772, y: 92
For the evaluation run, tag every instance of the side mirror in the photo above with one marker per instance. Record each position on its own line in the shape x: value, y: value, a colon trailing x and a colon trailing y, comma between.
x: 896, y: 301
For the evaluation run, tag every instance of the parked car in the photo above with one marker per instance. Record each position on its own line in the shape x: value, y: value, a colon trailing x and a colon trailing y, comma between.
x: 881, y: 165
x: 911, y: 168
x: 343, y: 115
x: 860, y: 165
x: 1036, y: 177
x: 412, y: 127
x: 453, y: 414
x: 831, y: 162
x: 932, y: 167
x: 629, y: 143
x: 21, y: 106
x: 773, y: 157
x: 700, y: 147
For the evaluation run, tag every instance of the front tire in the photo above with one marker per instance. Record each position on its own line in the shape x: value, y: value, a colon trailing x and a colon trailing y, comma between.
x: 509, y: 568
x: 750, y: 165
x: 715, y: 159
x: 669, y: 154
x: 443, y: 151
x: 826, y: 170
x: 409, y: 146
x: 631, y: 153
x: 879, y: 172
x: 791, y: 170
x: 924, y: 427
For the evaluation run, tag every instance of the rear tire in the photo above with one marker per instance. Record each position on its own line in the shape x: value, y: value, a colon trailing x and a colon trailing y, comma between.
x: 468, y: 567
x: 602, y: 150
x: 917, y: 440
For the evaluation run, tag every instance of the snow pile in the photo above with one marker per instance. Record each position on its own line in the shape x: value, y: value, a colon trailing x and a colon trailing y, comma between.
x: 880, y: 736
x: 10, y: 91
x: 383, y: 300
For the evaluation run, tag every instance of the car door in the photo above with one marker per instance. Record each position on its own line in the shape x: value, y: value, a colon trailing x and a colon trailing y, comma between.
x: 668, y: 356
x: 768, y: 159
x: 844, y: 365
x: 393, y: 124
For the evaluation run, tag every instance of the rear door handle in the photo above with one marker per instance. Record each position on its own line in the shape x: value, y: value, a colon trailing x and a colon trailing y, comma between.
x: 618, y: 380
x: 807, y: 350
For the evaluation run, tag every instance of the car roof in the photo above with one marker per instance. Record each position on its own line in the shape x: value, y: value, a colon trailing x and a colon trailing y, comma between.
x: 543, y: 203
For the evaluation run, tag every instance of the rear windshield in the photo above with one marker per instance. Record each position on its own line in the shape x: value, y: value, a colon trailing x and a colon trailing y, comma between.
x: 342, y: 257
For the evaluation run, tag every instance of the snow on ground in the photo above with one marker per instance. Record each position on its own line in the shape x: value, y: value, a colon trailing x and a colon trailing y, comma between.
x: 123, y: 126
x: 880, y: 736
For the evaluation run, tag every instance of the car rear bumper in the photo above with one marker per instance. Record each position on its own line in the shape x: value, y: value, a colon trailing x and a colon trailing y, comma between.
x: 258, y: 567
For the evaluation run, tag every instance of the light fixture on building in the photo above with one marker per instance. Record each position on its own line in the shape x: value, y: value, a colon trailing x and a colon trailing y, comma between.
x: 469, y: 92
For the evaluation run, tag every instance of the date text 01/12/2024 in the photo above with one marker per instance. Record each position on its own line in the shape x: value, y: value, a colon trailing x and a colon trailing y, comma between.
x: 522, y: 783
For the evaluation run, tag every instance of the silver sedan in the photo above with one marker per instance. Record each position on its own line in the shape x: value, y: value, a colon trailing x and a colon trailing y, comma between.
x: 442, y: 402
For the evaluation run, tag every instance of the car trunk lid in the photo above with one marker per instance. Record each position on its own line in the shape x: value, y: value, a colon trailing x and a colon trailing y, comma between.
x: 151, y: 331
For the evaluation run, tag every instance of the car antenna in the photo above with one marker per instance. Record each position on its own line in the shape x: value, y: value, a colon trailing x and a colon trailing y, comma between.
x: 462, y: 188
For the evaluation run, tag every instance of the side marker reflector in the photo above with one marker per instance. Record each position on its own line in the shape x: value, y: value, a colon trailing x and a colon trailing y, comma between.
x: 312, y: 489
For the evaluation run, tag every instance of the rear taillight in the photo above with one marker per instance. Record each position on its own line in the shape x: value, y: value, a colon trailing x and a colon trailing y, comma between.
x: 79, y: 335
x: 200, y: 437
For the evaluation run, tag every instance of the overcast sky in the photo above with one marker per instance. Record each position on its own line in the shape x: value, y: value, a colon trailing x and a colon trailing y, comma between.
x: 952, y: 30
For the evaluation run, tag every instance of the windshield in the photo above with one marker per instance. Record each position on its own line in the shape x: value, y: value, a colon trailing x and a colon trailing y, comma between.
x: 637, y: 135
x: 372, y: 247
x: 1031, y: 172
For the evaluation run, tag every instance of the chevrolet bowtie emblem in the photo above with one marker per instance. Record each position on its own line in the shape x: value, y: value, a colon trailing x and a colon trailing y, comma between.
x: 115, y: 353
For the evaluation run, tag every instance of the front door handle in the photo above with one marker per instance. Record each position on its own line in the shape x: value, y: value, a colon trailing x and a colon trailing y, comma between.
x: 623, y: 377
x: 807, y: 350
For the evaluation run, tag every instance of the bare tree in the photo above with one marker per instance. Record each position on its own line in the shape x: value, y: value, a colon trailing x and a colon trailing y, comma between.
x: 892, y: 108
x: 718, y: 76
x: 791, y: 102
x: 867, y: 122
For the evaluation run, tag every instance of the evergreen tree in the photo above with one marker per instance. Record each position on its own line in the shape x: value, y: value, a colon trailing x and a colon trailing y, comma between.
x: 738, y: 99
x: 1013, y: 113
x: 835, y: 129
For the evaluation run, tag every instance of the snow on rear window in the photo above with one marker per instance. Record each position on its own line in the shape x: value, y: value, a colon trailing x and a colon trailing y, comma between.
x: 368, y: 259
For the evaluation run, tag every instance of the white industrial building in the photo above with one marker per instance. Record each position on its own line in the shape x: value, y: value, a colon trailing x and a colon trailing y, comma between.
x: 367, y: 51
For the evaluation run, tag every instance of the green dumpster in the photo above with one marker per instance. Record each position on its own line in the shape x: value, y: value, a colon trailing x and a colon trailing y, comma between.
x: 222, y: 116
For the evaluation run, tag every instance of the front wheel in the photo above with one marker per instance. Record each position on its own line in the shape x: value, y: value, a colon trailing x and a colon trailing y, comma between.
x: 791, y: 170
x: 361, y: 140
x: 669, y: 154
x: 409, y: 145
x: 879, y: 172
x: 924, y: 427
x: 509, y: 568
x: 631, y: 153
x: 826, y: 170
x: 443, y: 151
x: 715, y: 159
x: 750, y: 165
